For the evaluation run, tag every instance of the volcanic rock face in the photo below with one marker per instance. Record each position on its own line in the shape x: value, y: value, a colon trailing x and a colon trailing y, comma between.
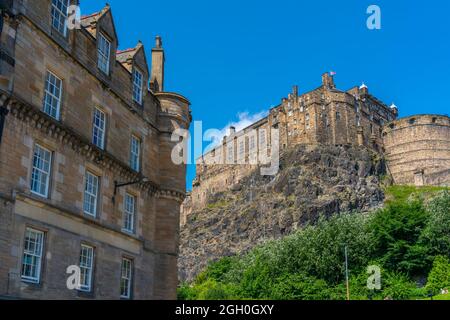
x: 312, y: 181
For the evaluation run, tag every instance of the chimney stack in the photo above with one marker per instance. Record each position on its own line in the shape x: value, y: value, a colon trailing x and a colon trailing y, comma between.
x: 328, y: 81
x: 158, y: 60
x: 232, y: 131
x: 295, y: 91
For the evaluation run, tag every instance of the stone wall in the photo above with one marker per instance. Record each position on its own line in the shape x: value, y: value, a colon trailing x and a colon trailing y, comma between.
x: 35, y: 48
x: 325, y: 115
x: 418, y: 150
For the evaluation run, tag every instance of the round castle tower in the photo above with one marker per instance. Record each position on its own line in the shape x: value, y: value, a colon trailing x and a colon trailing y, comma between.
x: 418, y: 150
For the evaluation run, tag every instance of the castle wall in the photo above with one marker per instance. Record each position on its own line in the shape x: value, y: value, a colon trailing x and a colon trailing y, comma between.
x: 418, y: 150
x: 325, y: 115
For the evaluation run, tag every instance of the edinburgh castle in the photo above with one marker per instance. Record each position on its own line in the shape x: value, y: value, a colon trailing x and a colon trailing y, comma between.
x: 416, y: 149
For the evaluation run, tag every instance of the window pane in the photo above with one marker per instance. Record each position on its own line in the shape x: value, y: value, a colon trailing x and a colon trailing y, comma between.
x: 129, y: 213
x: 86, y: 267
x: 59, y: 15
x: 52, y: 95
x: 126, y: 278
x: 104, y: 52
x: 40, y: 174
x: 137, y: 86
x: 32, y: 255
x: 98, y: 129
x: 135, y: 153
x: 91, y: 194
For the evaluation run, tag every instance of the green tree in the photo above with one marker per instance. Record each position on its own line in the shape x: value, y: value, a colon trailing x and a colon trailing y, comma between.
x: 437, y: 231
x: 396, y: 231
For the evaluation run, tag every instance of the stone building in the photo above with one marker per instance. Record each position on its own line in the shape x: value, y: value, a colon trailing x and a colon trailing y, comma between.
x: 418, y: 150
x: 325, y: 115
x: 86, y: 177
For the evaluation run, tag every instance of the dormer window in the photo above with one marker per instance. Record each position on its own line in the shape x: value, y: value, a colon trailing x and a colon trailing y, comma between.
x: 104, y: 53
x: 137, y: 86
x: 59, y: 15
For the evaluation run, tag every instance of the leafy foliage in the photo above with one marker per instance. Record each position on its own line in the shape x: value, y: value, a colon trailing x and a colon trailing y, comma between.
x: 403, y: 239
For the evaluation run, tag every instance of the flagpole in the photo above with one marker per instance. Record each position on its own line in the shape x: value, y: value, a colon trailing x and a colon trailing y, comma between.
x: 346, y: 273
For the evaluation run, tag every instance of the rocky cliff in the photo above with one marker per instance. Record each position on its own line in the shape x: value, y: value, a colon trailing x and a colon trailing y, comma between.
x: 312, y: 181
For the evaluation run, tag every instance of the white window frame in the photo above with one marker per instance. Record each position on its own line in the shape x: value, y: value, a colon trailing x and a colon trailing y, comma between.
x: 104, y: 53
x: 126, y: 278
x: 35, y: 255
x: 129, y: 213
x: 60, y: 13
x: 99, y: 128
x: 52, y: 91
x: 87, y: 255
x: 41, y: 170
x: 91, y: 192
x: 135, y: 153
x: 138, y: 83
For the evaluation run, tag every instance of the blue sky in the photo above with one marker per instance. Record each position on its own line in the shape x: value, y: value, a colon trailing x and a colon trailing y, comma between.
x: 231, y: 57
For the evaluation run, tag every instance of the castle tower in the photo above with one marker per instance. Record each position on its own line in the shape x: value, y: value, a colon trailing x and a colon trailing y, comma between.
x: 158, y: 60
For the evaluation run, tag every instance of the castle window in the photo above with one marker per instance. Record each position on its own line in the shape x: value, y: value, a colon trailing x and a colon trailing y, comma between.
x: 91, y: 187
x: 99, y: 128
x: 137, y: 86
x: 129, y: 213
x: 252, y: 143
x: 241, y: 149
x: 59, y: 15
x: 307, y: 118
x: 230, y: 154
x: 52, y: 95
x: 338, y: 116
x: 32, y: 256
x: 135, y: 154
x: 126, y: 278
x: 40, y: 174
x: 412, y: 121
x: 262, y: 138
x: 358, y: 120
x: 86, y: 267
x: 104, y: 54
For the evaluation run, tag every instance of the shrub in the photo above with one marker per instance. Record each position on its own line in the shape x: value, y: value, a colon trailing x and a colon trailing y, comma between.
x: 439, y: 277
x: 437, y: 230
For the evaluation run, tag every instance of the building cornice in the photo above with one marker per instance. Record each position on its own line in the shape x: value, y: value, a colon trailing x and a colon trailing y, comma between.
x: 37, y: 119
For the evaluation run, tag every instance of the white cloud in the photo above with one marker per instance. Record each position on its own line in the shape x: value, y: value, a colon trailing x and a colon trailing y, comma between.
x: 245, y: 119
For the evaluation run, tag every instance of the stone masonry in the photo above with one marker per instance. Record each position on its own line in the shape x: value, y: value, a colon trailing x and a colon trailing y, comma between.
x: 417, y: 149
x: 96, y: 81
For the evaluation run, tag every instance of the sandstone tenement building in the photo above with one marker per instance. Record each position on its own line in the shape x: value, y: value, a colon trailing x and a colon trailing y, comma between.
x: 86, y: 177
x: 417, y: 149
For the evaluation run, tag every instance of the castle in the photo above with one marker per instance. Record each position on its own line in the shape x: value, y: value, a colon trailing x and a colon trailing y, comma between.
x: 86, y: 177
x: 417, y: 149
